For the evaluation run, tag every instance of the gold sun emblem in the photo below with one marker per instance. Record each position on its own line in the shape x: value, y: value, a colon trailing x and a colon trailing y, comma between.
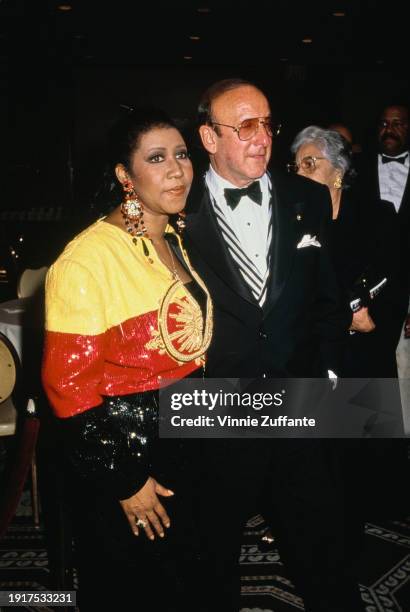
x: 189, y: 340
x: 189, y: 323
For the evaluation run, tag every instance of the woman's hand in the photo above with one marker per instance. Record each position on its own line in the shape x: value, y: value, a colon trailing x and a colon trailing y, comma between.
x: 362, y: 321
x: 144, y: 507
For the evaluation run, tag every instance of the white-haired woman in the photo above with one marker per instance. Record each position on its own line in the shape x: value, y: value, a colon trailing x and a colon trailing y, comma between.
x: 325, y: 156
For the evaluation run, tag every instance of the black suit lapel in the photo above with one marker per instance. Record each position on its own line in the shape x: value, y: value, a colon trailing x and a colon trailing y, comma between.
x: 374, y: 179
x: 203, y: 232
x: 404, y: 209
x: 284, y: 239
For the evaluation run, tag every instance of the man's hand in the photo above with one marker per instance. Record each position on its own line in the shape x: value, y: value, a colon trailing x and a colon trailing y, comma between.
x: 144, y: 509
x: 362, y: 321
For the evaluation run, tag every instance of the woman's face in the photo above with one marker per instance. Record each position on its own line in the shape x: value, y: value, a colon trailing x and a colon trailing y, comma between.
x: 160, y: 171
x: 312, y: 164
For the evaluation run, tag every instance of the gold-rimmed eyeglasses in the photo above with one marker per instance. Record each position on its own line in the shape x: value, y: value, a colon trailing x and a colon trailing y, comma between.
x: 249, y: 127
x: 307, y: 164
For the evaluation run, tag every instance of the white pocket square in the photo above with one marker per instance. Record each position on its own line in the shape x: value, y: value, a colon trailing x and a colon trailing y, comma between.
x: 308, y: 240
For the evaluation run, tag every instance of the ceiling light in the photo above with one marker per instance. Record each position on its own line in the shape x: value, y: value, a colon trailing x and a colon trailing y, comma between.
x: 339, y: 14
x: 195, y: 38
x: 307, y: 40
x: 64, y: 7
x: 188, y: 57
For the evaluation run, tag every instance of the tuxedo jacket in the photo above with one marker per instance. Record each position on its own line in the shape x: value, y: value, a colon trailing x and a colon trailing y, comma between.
x: 302, y: 306
x: 386, y: 238
x: 369, y: 181
x: 381, y: 216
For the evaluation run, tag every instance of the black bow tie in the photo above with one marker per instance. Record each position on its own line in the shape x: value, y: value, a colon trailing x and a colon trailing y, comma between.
x: 253, y: 191
x: 401, y: 160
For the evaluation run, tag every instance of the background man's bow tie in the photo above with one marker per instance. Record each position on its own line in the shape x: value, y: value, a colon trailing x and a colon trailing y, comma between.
x: 253, y: 191
x: 401, y: 160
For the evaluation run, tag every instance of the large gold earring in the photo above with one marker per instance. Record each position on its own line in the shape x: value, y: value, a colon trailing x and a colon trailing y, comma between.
x: 132, y: 212
x: 338, y: 182
x: 181, y: 222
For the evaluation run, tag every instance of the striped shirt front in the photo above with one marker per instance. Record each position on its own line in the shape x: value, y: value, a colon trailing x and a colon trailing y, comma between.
x: 247, y: 231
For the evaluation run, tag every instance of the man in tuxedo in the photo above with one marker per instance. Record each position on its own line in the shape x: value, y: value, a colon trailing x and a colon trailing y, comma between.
x: 259, y: 242
x: 384, y: 189
x: 385, y: 208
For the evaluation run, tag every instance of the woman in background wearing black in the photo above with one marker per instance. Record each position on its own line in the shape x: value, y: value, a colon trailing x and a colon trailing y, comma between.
x: 374, y: 466
x: 324, y: 156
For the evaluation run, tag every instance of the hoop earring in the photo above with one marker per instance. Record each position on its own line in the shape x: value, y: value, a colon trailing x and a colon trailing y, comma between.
x: 132, y: 211
x: 181, y: 222
x: 338, y: 182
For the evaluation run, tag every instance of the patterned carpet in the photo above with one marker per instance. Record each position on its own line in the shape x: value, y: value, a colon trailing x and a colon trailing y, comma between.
x: 384, y: 576
x: 384, y: 579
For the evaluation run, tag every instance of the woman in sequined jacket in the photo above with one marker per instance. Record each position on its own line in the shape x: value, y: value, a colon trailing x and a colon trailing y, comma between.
x: 125, y: 311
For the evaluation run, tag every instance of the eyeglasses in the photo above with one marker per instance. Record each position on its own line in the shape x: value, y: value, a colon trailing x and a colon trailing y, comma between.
x: 395, y: 124
x: 249, y: 127
x: 307, y: 164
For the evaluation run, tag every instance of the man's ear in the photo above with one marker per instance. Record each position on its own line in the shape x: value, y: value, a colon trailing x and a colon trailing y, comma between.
x: 208, y: 138
x: 121, y: 173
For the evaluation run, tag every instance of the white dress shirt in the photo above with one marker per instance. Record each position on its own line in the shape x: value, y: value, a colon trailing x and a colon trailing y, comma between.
x: 393, y: 179
x: 249, y: 221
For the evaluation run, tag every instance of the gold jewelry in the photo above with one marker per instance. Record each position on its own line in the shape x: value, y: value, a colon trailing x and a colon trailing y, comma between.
x: 173, y: 268
x: 132, y: 211
x: 181, y: 222
x: 338, y: 182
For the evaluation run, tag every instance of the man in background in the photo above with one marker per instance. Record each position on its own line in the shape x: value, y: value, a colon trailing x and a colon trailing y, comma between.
x: 385, y: 209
